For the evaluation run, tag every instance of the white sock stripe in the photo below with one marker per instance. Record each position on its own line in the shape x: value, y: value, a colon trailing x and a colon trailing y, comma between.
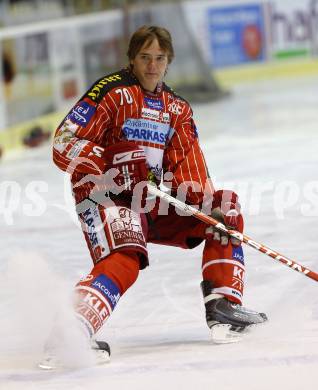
x: 97, y: 293
x: 228, y: 291
x: 210, y: 297
x: 226, y: 261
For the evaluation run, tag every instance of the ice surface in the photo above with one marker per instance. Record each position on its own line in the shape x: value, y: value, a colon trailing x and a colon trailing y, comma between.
x: 261, y: 142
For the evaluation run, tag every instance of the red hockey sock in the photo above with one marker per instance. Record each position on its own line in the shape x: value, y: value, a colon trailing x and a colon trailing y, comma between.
x: 224, y: 267
x: 121, y: 267
x: 98, y: 294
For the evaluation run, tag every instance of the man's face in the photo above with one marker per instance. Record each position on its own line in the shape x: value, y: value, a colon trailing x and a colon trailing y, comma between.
x: 149, y: 65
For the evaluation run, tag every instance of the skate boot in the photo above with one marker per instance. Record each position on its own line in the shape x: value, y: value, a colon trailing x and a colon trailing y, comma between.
x: 227, y: 320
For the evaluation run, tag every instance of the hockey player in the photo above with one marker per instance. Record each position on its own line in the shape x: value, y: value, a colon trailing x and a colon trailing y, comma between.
x: 130, y: 127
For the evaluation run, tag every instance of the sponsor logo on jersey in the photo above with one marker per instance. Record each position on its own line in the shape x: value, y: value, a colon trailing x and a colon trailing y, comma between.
x: 156, y: 104
x: 165, y: 117
x: 175, y: 107
x: 150, y: 114
x: 155, y: 115
x: 108, y: 289
x: 124, y: 157
x: 76, y: 149
x: 96, y: 89
x: 121, y: 157
x: 146, y: 130
x: 237, y: 254
x: 82, y: 113
x: 64, y: 135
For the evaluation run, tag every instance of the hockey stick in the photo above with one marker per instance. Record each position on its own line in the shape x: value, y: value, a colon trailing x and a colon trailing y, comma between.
x: 233, y: 233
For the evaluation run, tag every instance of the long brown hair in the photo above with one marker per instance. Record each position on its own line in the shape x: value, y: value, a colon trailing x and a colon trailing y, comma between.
x: 148, y: 34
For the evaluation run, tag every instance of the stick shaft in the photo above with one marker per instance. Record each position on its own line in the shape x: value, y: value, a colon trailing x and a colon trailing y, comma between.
x: 190, y: 210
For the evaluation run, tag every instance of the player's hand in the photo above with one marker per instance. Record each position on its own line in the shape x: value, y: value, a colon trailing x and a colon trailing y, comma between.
x: 130, y: 162
x: 226, y: 209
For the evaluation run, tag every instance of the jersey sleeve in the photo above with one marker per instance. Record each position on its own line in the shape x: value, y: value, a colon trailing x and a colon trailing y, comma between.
x: 184, y: 158
x: 77, y: 141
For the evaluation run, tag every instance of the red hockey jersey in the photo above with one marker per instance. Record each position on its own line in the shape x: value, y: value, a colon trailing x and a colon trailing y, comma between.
x: 116, y: 108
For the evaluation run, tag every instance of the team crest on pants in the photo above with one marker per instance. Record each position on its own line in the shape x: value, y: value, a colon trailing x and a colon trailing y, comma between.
x: 125, y: 227
x: 112, y: 228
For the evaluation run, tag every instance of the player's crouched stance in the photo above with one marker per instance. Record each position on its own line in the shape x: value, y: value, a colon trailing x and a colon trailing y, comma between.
x: 128, y: 128
x: 117, y: 229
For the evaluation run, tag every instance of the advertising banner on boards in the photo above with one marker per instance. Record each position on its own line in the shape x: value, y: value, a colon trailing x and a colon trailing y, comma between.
x: 236, y: 34
x: 293, y: 28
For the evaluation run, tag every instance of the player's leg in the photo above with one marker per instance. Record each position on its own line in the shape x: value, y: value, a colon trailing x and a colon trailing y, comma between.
x: 222, y: 265
x: 223, y: 271
x: 224, y: 268
x: 97, y: 294
x: 116, y: 240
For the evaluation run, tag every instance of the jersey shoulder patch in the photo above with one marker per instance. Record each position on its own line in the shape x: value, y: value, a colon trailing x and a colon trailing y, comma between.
x: 105, y: 84
x: 175, y: 95
x: 177, y: 105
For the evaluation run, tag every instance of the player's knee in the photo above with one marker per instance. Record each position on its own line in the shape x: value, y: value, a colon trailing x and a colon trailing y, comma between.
x: 122, y: 267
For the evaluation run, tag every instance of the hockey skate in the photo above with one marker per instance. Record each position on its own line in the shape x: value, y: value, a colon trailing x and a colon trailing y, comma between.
x: 51, y: 360
x: 228, y: 321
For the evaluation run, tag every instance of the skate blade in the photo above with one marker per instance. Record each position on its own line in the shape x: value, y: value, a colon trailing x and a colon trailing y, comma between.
x: 222, y: 334
x: 102, y: 357
x: 53, y: 364
x: 48, y: 364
